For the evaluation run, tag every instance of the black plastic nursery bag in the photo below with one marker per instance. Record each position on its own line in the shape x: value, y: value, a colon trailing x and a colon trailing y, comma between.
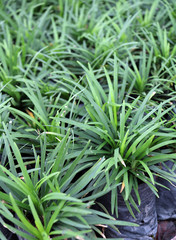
x: 147, y: 218
x: 166, y: 203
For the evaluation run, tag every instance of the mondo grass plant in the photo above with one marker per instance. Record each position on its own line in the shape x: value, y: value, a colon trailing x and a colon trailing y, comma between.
x: 87, y: 107
x: 39, y: 116
x: 36, y: 117
x: 131, y: 132
x: 45, y: 199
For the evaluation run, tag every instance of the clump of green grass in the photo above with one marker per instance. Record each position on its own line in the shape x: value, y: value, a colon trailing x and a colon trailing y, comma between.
x: 103, y: 70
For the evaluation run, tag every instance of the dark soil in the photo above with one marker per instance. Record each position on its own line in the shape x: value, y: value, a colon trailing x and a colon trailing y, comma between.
x: 166, y: 230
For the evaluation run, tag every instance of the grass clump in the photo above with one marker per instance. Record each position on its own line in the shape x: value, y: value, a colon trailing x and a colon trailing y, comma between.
x: 87, y: 106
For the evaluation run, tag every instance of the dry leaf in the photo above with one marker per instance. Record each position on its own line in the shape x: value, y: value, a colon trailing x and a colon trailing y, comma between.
x: 30, y: 113
x: 122, y: 187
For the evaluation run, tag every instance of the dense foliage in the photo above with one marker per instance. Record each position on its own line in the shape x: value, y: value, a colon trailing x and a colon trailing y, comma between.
x: 87, y: 106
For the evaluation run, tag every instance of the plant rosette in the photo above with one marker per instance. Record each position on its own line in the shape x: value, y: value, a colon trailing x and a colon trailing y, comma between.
x: 48, y: 200
x: 130, y: 133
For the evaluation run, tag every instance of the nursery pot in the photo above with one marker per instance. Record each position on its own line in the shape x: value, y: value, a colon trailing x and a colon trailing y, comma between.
x: 166, y: 203
x: 146, y: 218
